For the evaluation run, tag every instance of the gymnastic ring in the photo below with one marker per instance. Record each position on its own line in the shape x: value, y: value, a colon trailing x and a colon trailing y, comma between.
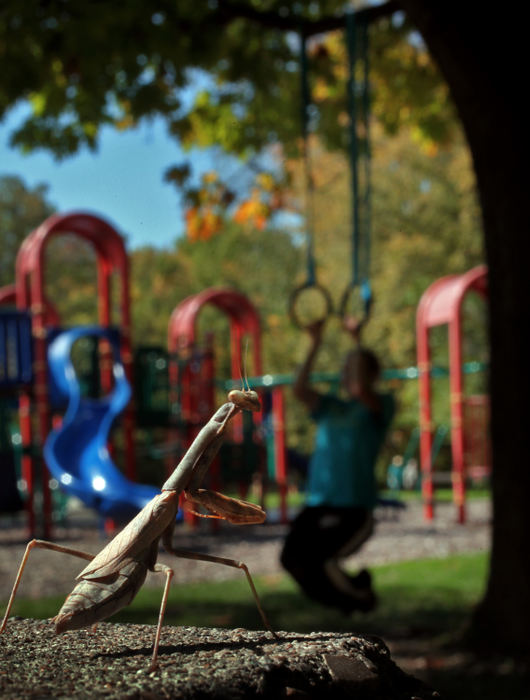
x: 295, y: 294
x: 366, y: 297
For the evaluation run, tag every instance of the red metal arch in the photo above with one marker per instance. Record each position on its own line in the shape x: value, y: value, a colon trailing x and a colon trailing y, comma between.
x: 441, y: 303
x: 8, y: 295
x: 111, y: 257
x: 244, y: 320
x: 193, y: 385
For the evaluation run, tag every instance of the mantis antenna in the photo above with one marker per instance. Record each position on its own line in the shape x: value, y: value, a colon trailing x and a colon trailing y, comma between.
x: 245, y: 358
x: 243, y: 374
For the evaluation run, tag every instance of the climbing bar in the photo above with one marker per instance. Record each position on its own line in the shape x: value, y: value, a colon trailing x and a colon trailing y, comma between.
x: 270, y: 380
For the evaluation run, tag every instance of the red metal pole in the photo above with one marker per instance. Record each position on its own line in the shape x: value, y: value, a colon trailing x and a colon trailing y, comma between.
x: 424, y: 387
x: 457, y: 431
x: 38, y: 309
x: 236, y: 334
x: 24, y: 403
x: 27, y: 462
x: 278, y: 413
x: 207, y: 401
x: 105, y: 355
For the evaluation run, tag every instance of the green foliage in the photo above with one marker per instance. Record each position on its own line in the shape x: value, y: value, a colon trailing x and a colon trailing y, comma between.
x: 22, y: 209
x: 83, y: 66
x: 71, y: 280
x: 262, y: 265
x: 159, y: 280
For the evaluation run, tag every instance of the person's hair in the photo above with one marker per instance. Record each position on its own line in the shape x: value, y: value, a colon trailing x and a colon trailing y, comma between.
x: 367, y: 359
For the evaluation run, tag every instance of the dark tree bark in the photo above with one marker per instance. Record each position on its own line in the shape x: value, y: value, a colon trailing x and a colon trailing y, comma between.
x: 482, y: 55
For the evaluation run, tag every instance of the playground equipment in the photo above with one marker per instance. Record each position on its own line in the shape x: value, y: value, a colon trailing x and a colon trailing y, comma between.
x: 191, y: 372
x: 311, y: 268
x: 29, y: 294
x: 76, y: 452
x: 361, y: 192
x: 280, y: 460
x: 403, y: 472
x: 359, y: 112
x: 16, y: 371
x: 192, y: 367
x: 441, y: 304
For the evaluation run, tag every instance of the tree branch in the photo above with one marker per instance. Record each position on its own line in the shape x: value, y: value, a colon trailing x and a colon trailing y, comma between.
x: 228, y: 11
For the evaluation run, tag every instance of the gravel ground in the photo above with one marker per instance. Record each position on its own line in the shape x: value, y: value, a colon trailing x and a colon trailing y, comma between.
x: 400, y: 535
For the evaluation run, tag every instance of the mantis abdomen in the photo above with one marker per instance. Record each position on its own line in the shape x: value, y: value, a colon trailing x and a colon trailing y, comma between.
x: 97, y: 599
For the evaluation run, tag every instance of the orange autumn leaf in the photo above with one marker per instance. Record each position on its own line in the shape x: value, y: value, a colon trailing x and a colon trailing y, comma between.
x: 211, y: 224
x: 192, y: 223
x: 244, y: 212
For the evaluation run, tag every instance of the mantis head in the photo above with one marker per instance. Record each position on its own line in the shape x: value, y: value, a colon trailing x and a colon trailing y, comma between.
x: 246, y: 399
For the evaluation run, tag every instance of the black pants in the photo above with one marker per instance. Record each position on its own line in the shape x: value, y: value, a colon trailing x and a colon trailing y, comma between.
x: 318, y: 538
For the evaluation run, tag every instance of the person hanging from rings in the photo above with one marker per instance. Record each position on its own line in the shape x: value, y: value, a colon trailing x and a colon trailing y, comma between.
x: 341, y: 488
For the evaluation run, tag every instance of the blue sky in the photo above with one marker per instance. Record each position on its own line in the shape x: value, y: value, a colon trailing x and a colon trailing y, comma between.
x: 122, y: 181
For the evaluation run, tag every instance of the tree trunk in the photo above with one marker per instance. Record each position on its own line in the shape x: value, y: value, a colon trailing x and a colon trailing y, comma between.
x: 481, y: 54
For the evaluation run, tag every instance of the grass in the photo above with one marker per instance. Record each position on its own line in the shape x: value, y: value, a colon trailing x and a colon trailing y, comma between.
x: 295, y: 499
x: 428, y: 595
x: 441, y: 495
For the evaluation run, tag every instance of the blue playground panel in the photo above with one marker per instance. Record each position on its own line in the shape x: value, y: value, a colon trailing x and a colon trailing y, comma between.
x: 16, y: 359
x: 76, y: 453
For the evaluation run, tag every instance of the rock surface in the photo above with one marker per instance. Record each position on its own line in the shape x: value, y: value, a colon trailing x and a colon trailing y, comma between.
x: 113, y: 662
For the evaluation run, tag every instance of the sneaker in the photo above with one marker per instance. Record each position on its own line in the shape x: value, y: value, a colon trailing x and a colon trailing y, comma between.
x: 363, y: 603
x: 364, y: 600
x: 362, y: 580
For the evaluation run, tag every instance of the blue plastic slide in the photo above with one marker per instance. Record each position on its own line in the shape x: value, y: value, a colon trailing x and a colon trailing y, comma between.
x: 76, y: 453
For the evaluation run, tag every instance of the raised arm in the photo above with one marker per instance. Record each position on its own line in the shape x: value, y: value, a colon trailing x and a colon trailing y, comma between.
x: 302, y: 387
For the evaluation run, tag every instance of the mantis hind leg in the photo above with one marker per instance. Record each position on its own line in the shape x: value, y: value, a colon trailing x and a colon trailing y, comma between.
x: 42, y: 544
x: 233, y: 563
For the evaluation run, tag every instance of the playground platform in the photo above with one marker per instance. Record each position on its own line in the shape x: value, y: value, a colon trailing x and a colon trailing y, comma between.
x: 399, y: 536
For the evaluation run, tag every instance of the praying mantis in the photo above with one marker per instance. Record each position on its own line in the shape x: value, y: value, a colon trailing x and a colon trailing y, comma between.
x: 114, y: 576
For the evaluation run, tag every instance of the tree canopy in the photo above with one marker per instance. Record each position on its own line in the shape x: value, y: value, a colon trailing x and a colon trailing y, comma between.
x: 224, y: 73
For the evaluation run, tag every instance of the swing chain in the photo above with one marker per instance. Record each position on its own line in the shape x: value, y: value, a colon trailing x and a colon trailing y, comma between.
x: 311, y: 276
x: 360, y: 224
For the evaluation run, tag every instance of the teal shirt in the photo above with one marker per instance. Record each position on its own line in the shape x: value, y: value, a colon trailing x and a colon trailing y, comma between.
x: 348, y: 439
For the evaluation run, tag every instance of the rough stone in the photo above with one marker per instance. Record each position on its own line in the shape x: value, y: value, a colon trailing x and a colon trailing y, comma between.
x: 113, y: 662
